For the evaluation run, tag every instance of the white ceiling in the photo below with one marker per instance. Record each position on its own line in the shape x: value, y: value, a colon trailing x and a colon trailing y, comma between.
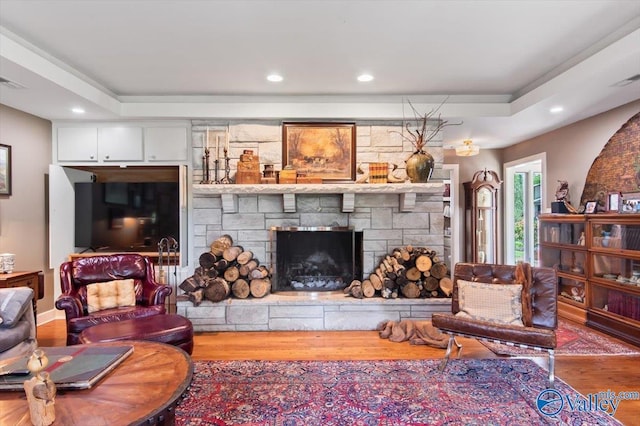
x: 500, y: 65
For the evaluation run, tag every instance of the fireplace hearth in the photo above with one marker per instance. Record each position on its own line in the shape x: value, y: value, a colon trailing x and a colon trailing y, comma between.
x: 315, y: 259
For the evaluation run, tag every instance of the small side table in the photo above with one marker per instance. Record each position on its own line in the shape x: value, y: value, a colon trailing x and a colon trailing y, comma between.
x: 29, y: 279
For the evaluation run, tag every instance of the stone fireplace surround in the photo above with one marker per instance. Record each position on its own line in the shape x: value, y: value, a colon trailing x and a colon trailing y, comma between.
x: 388, y: 215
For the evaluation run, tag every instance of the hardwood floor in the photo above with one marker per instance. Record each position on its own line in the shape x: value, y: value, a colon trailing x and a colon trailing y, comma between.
x: 586, y: 374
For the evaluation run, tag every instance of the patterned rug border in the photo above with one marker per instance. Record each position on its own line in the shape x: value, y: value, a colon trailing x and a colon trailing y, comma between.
x: 385, y: 392
x: 584, y: 343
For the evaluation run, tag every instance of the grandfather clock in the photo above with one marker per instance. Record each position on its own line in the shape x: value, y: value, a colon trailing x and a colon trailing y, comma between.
x: 481, y: 217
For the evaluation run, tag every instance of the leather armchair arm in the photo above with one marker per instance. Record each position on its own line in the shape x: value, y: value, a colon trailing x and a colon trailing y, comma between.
x: 532, y: 336
x: 156, y: 294
x: 71, y: 306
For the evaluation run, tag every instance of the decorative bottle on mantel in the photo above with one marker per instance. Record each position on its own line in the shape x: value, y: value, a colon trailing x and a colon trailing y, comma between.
x: 420, y: 167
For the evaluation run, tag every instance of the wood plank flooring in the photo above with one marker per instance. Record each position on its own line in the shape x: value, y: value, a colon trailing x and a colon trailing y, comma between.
x: 586, y: 374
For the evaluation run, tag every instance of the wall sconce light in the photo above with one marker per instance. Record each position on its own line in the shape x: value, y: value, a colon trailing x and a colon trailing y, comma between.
x: 468, y: 149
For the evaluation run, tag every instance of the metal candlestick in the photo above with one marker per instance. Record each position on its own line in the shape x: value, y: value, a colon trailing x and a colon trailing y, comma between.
x: 227, y: 169
x: 216, y: 165
x: 206, y: 178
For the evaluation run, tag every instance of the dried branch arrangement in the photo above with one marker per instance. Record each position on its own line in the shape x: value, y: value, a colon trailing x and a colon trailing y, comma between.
x: 419, y: 130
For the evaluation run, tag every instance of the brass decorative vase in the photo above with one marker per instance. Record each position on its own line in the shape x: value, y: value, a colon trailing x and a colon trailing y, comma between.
x: 420, y: 167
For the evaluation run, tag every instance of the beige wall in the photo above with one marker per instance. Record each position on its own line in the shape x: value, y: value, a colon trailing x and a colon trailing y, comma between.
x: 571, y: 150
x: 23, y: 215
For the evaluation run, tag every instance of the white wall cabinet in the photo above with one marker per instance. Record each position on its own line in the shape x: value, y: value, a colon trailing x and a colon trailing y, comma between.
x: 77, y: 144
x: 165, y: 143
x: 91, y: 144
x: 120, y: 144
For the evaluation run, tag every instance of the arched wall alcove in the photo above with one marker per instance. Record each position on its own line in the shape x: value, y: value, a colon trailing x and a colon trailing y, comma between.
x: 617, y: 167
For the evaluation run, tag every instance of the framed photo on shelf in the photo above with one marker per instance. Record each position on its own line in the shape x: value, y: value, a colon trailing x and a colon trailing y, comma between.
x: 590, y: 207
x: 325, y: 150
x: 630, y: 203
x: 5, y: 169
x: 613, y: 201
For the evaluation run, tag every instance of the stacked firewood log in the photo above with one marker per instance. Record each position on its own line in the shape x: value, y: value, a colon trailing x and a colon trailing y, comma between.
x: 411, y: 272
x: 225, y: 270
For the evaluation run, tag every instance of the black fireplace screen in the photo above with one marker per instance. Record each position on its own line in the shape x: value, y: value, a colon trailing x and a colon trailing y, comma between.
x: 316, y: 259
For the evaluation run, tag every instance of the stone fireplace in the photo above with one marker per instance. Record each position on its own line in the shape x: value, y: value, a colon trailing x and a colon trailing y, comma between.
x: 315, y: 259
x: 381, y: 216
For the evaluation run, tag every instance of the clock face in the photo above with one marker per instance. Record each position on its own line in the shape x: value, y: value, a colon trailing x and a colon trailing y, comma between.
x: 485, y: 198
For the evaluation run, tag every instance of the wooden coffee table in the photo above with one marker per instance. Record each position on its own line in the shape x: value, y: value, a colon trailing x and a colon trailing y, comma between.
x: 144, y: 389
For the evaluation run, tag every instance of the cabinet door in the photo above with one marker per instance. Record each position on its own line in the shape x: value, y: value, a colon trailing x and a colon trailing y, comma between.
x: 120, y: 144
x: 165, y: 143
x: 77, y: 144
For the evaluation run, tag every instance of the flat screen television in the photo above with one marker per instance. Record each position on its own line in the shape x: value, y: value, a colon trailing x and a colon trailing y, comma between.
x: 119, y: 216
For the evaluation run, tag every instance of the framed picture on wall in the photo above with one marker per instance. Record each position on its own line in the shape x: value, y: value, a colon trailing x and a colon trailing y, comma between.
x: 590, y: 207
x: 325, y: 150
x: 5, y: 169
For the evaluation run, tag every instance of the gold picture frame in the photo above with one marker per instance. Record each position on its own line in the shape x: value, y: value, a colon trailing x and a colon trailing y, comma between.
x: 5, y: 169
x: 325, y: 150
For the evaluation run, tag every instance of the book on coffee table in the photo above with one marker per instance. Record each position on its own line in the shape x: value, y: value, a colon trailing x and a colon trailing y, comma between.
x: 70, y: 367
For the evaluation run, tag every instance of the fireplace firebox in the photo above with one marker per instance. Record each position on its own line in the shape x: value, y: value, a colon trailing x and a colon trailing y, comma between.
x: 315, y: 259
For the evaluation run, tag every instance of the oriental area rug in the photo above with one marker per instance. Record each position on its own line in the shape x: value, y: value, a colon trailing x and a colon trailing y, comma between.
x: 572, y: 341
x: 414, y: 392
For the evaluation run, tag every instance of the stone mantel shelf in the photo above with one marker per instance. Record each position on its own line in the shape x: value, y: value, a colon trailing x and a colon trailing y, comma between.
x: 407, y: 192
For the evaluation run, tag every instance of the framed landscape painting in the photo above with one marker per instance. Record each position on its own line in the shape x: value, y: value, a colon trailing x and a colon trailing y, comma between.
x: 325, y: 150
x: 5, y: 169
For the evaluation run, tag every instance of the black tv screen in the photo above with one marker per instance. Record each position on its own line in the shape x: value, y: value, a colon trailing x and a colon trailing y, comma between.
x: 119, y: 216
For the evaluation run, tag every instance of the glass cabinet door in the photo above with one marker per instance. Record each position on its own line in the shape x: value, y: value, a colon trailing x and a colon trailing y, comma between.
x: 620, y: 303
x: 620, y: 270
x: 615, y: 236
x: 564, y: 260
x: 562, y: 233
x: 572, y: 289
x: 486, y: 230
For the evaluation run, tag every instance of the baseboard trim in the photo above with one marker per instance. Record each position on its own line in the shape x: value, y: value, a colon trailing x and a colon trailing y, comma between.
x: 50, y: 315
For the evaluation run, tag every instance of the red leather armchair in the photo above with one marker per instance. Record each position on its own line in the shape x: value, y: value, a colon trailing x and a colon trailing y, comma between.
x: 539, y: 310
x: 76, y: 274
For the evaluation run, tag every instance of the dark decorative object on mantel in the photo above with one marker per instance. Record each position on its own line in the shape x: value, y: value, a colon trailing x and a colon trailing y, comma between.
x: 420, y: 132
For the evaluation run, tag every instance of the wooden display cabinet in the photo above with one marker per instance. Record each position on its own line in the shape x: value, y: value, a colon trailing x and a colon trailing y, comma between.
x: 613, y: 241
x: 563, y: 247
x: 597, y: 258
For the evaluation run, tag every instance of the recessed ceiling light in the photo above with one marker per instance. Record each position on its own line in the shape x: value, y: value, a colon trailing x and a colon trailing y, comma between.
x: 274, y: 78
x: 365, y: 78
x: 556, y: 109
x: 77, y: 110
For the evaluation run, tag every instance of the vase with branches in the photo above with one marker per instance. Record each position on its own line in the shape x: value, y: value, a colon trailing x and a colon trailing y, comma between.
x: 419, y: 131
